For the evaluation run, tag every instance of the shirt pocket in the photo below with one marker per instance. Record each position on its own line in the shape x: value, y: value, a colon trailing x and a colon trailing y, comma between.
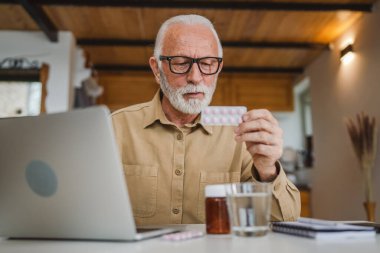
x: 213, y: 178
x: 142, y: 188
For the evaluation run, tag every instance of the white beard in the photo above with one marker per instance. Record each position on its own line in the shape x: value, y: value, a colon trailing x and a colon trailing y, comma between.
x: 192, y: 105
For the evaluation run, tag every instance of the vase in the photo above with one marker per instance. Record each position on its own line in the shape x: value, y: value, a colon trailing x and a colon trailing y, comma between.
x: 370, y: 210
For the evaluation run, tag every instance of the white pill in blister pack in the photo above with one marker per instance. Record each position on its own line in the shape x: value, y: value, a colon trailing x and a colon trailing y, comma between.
x: 184, y: 235
x: 223, y: 115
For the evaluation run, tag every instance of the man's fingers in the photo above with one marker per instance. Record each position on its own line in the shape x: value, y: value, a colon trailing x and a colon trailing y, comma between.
x: 258, y: 125
x: 259, y: 114
x: 265, y: 150
x: 262, y: 135
x: 258, y: 137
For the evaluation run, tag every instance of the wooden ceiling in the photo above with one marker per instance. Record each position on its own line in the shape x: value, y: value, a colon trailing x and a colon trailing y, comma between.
x: 258, y: 36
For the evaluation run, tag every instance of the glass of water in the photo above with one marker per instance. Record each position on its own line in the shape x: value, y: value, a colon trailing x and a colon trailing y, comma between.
x: 249, y: 207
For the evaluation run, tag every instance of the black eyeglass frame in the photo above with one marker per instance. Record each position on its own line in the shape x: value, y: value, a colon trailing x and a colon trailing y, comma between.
x: 192, y: 61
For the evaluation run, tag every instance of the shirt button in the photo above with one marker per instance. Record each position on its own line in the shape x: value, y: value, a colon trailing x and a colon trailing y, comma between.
x: 175, y: 210
x: 178, y: 172
x: 180, y: 136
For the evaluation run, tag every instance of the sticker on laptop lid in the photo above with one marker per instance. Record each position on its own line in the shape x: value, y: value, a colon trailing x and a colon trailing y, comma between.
x: 223, y: 115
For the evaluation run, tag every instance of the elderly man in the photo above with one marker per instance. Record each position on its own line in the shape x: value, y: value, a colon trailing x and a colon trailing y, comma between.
x: 169, y: 156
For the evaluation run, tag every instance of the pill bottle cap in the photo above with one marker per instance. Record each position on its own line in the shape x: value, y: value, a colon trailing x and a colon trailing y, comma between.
x: 215, y: 190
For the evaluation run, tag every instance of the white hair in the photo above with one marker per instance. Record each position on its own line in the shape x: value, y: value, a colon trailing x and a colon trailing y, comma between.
x: 191, y: 19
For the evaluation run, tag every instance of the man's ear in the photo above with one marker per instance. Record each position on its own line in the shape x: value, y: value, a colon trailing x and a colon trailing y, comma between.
x: 154, y: 66
x: 220, y: 67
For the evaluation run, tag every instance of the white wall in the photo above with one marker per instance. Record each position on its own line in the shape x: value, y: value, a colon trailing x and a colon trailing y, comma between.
x: 340, y: 91
x: 60, y: 56
x: 290, y: 122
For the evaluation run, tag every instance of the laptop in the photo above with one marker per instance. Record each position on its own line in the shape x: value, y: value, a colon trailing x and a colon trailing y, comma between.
x: 61, y: 177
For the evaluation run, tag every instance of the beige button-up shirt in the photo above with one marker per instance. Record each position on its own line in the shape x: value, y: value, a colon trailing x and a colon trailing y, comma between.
x: 167, y: 168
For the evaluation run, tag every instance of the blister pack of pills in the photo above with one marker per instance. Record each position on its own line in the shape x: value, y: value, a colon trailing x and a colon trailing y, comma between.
x: 184, y: 235
x: 223, y: 115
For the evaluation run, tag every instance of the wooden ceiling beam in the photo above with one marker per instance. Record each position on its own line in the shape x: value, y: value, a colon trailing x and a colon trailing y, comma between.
x: 277, y: 70
x: 236, y: 44
x: 39, y: 16
x: 218, y: 4
x: 115, y: 42
x: 276, y: 45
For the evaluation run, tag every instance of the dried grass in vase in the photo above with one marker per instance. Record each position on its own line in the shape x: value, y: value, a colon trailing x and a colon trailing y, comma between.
x: 364, y: 140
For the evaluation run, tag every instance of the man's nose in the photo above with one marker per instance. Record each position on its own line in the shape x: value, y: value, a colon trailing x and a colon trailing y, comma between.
x: 194, y: 76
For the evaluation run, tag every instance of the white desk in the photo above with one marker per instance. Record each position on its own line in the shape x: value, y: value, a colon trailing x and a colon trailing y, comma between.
x: 273, y: 242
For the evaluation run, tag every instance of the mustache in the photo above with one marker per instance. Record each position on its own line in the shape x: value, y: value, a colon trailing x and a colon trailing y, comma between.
x: 191, y: 88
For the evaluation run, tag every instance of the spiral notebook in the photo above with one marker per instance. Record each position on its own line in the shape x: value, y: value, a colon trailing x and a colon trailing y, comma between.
x: 323, y: 229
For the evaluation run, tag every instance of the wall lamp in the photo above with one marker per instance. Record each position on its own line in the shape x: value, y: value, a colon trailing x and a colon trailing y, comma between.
x: 347, y: 54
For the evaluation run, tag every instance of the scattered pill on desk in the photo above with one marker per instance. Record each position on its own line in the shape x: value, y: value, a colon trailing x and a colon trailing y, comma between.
x: 181, y: 236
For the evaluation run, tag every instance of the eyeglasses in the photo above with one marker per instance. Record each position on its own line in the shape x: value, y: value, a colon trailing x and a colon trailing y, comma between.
x: 183, y: 64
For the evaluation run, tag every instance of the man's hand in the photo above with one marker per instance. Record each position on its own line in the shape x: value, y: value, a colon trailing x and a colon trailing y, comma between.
x: 263, y: 138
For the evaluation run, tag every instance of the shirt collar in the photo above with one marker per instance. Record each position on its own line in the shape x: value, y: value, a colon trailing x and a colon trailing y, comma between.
x: 197, y: 121
x: 155, y: 113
